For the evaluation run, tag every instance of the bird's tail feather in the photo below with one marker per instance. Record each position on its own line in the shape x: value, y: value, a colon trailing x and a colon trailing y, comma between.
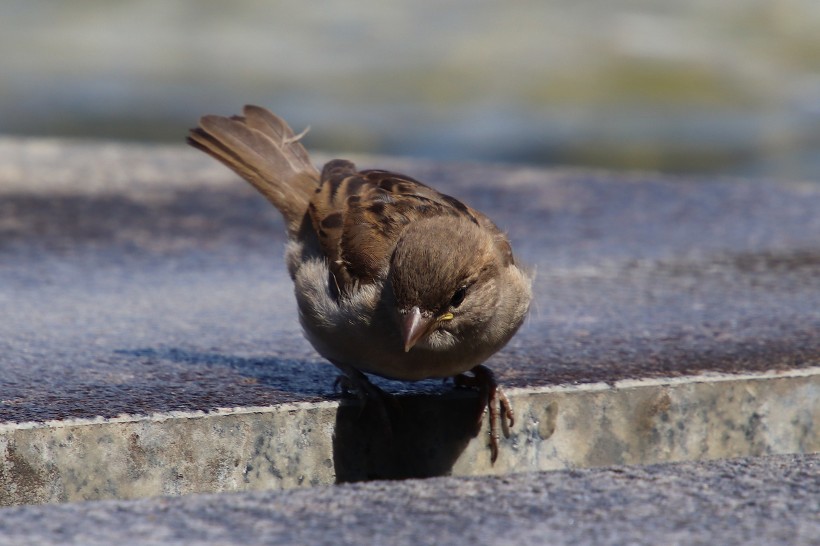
x: 261, y: 148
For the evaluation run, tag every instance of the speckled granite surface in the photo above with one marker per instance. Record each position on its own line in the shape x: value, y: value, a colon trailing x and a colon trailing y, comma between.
x: 147, y: 279
x: 765, y: 501
x: 143, y: 281
x: 286, y: 446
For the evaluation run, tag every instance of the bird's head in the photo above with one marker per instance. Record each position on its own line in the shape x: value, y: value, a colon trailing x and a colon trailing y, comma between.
x: 444, y: 275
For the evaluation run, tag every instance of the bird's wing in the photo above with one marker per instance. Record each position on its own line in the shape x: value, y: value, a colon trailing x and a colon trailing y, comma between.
x: 360, y: 215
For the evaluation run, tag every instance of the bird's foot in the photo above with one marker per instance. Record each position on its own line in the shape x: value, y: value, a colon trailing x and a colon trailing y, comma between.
x: 491, y: 399
x: 352, y: 381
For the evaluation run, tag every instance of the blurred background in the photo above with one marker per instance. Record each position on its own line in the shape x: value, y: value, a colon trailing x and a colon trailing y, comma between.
x: 700, y: 87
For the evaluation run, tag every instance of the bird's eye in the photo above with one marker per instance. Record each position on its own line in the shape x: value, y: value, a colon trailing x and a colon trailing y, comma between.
x: 458, y: 296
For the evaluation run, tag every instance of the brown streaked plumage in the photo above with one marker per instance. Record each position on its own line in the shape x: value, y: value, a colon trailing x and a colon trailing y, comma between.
x: 391, y: 276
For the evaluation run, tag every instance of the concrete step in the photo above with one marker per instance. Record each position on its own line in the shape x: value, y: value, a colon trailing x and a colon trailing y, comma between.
x: 766, y: 501
x: 150, y: 344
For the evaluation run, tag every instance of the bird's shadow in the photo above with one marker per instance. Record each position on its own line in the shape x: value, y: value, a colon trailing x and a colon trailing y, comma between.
x: 424, y: 430
x: 297, y: 377
x: 422, y: 436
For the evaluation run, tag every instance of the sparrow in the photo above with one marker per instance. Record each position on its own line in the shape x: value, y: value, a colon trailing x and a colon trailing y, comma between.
x: 391, y: 277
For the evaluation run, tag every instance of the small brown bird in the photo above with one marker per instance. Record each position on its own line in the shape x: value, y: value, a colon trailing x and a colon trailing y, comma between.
x: 391, y: 277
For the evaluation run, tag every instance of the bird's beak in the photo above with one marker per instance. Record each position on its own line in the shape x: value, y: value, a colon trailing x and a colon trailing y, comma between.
x: 414, y: 327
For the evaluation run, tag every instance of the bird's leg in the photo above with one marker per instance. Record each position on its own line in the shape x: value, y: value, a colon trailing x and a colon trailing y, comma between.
x: 491, y: 398
x: 352, y: 380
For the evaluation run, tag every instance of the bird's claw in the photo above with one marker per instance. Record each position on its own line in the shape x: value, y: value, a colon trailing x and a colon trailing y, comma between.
x: 492, y: 399
x: 352, y: 381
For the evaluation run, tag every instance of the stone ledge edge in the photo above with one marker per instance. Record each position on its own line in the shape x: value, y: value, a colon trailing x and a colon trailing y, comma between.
x: 707, y: 377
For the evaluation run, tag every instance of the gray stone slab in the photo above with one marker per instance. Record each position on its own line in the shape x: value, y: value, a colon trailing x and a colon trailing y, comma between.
x: 773, y: 500
x: 145, y: 285
x: 137, y: 280
x: 309, y: 444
